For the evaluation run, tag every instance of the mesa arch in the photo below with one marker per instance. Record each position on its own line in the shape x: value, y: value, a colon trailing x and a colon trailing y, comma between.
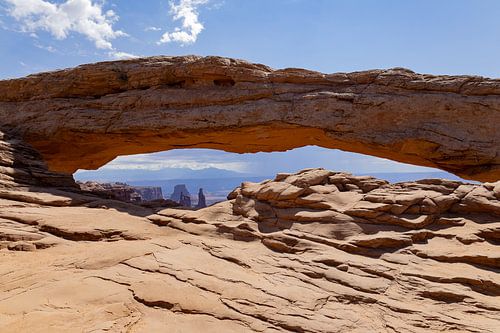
x: 82, y: 118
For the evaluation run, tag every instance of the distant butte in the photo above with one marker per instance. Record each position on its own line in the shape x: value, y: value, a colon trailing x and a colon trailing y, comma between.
x: 82, y: 118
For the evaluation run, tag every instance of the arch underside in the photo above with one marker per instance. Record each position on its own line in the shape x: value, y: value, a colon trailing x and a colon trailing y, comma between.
x: 84, y: 117
x: 93, y: 153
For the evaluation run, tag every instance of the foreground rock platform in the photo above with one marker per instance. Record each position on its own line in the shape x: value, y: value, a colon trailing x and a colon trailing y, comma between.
x: 84, y: 117
x: 316, y: 251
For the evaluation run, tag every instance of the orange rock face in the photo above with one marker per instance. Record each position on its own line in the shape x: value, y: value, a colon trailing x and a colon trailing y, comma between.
x: 86, y: 116
x: 315, y: 251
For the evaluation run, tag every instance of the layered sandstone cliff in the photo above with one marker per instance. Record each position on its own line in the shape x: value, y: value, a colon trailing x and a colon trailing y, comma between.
x: 123, y: 191
x: 86, y: 116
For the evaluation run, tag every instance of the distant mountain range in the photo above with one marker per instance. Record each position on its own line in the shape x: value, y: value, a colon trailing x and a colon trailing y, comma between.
x: 395, y: 177
x: 141, y: 175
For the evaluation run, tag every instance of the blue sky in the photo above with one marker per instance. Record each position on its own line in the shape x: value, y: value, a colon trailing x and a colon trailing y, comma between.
x: 441, y: 37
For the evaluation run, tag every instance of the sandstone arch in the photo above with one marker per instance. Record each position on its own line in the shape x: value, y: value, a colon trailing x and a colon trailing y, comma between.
x: 86, y: 116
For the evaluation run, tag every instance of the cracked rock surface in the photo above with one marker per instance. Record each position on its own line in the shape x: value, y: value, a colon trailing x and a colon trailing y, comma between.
x: 316, y: 251
x: 84, y: 117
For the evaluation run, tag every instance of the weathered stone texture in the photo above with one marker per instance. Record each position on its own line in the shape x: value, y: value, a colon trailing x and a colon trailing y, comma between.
x: 316, y: 251
x: 86, y: 116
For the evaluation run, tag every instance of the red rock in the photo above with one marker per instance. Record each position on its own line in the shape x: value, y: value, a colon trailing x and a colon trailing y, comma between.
x: 160, y: 103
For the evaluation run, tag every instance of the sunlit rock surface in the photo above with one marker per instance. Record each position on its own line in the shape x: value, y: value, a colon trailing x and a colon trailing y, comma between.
x: 84, y: 117
x: 316, y: 251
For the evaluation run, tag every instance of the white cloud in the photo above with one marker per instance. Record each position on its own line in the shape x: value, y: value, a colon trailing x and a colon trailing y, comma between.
x: 152, y: 29
x: 121, y: 55
x: 48, y: 48
x: 174, y: 159
x: 81, y: 16
x: 185, y: 10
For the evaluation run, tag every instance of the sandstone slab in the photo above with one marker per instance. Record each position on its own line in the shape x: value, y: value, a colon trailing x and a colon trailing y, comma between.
x: 372, y: 257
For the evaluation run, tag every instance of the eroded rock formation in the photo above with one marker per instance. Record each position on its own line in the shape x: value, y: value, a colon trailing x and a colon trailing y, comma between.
x: 316, y: 251
x: 86, y: 116
x: 123, y: 191
x: 202, y: 202
x: 179, y: 190
x: 118, y: 191
x: 149, y: 193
